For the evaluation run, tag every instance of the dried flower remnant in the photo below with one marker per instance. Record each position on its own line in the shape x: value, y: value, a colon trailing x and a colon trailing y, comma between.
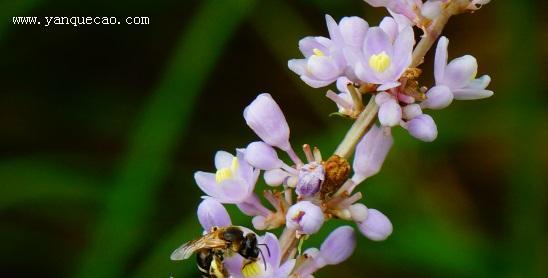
x: 377, y: 65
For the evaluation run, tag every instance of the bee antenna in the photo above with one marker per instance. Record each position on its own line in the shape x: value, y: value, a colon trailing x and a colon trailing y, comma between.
x: 267, y: 249
x: 262, y: 256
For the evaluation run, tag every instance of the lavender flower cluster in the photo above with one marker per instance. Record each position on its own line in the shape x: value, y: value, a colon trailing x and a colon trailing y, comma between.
x: 375, y: 62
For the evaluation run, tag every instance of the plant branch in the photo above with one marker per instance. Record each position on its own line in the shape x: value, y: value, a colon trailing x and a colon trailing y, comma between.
x: 358, y: 129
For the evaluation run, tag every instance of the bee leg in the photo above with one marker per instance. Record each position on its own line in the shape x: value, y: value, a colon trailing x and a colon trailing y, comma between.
x: 217, y: 269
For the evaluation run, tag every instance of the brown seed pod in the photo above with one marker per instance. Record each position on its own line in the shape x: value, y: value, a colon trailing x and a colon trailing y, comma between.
x: 337, y: 170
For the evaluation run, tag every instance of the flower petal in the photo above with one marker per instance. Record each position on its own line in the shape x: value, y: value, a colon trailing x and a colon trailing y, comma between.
x: 263, y: 156
x: 438, y: 97
x: 353, y: 30
x: 252, y: 206
x: 314, y: 83
x: 460, y: 71
x: 470, y: 94
x: 308, y: 44
x: 339, y: 245
x: 233, y: 191
x: 333, y: 29
x: 285, y: 269
x: 411, y: 111
x: 479, y: 83
x: 323, y: 68
x: 376, y: 226
x: 275, y: 177
x: 223, y: 159
x: 305, y: 217
x: 403, y: 49
x: 423, y: 128
x: 267, y: 120
x: 273, y: 245
x: 371, y: 152
x: 206, y: 182
x: 376, y: 41
x: 390, y: 113
x: 212, y: 213
x: 298, y: 66
x: 440, y: 60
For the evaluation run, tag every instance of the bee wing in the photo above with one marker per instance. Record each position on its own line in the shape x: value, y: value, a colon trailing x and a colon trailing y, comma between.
x: 186, y: 250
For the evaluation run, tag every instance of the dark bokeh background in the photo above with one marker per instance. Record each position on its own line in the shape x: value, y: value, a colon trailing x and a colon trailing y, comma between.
x: 102, y: 127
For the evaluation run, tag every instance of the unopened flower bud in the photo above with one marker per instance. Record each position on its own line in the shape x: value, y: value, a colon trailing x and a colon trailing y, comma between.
x: 262, y: 156
x: 311, y: 177
x: 438, y: 97
x: 411, y: 111
x: 423, y: 128
x: 275, y: 177
x: 376, y: 226
x: 266, y: 119
x: 212, y: 213
x: 305, y: 217
x: 339, y: 245
x: 371, y: 152
x: 390, y: 113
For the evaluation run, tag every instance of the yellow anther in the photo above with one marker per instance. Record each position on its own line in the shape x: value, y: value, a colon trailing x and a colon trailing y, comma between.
x: 379, y: 62
x: 318, y: 52
x: 234, y: 165
x: 252, y: 269
x: 227, y: 172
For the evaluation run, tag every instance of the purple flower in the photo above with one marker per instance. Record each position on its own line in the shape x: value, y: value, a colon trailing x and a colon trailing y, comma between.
x: 240, y: 268
x: 385, y: 56
x: 324, y: 60
x: 234, y: 180
x: 211, y: 213
x: 335, y: 249
x: 305, y: 217
x: 310, y: 179
x: 423, y: 128
x: 371, y: 152
x: 408, y: 8
x: 376, y: 226
x: 459, y: 76
x: 267, y: 120
x: 262, y: 156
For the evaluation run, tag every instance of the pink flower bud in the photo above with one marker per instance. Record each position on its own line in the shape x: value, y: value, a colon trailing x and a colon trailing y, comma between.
x: 339, y: 245
x: 438, y: 97
x: 267, y: 120
x: 305, y: 217
x: 371, y: 152
x: 423, y: 128
x: 376, y: 226
x: 262, y: 156
x: 212, y: 213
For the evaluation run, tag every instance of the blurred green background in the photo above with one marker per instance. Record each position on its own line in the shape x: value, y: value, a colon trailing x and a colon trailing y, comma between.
x: 102, y: 127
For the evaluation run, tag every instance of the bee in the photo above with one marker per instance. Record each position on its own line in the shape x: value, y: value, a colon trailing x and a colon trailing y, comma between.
x: 213, y: 247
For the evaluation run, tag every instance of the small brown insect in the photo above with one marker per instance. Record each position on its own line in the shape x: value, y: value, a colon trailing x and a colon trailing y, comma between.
x: 337, y: 170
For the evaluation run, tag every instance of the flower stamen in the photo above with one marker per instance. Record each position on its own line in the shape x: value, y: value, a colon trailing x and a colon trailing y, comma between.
x: 379, y: 62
